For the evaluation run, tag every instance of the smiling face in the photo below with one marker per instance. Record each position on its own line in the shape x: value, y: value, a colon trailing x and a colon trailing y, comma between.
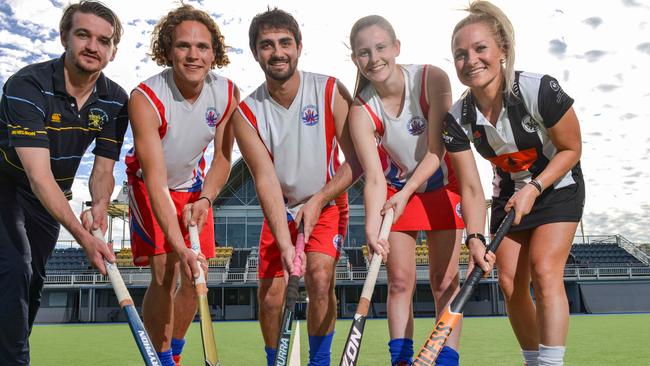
x: 89, y: 43
x: 191, y: 53
x: 374, y: 53
x: 477, y: 57
x: 277, y: 53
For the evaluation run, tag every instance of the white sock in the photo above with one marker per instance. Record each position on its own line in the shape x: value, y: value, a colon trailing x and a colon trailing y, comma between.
x: 551, y: 355
x: 530, y: 357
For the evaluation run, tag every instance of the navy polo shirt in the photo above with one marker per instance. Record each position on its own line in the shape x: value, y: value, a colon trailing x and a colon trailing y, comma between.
x: 37, y: 111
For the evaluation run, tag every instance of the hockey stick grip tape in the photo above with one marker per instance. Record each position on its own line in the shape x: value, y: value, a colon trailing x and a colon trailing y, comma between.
x: 121, y: 292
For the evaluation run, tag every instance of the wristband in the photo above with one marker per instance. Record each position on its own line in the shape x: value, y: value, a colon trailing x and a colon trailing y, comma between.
x: 204, y: 198
x: 535, y: 183
x: 478, y: 236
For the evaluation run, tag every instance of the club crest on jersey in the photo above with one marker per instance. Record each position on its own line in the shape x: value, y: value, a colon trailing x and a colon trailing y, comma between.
x: 529, y: 124
x: 417, y: 125
x: 309, y: 115
x: 337, y: 241
x: 97, y: 118
x: 212, y: 116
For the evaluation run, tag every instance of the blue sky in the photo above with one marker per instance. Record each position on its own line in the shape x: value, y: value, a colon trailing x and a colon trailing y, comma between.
x: 599, y: 51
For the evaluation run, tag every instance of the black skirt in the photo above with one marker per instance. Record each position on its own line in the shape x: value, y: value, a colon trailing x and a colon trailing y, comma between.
x: 554, y: 205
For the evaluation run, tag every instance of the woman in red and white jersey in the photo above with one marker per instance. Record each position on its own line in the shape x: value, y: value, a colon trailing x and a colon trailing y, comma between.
x: 396, y: 124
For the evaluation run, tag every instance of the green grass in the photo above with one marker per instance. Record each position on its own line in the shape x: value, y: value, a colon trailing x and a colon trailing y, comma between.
x: 593, y: 340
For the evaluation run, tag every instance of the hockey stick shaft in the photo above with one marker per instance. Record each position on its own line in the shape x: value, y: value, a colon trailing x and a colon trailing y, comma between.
x: 210, y: 354
x: 291, y: 296
x: 142, y: 340
x: 353, y: 343
x: 452, y: 315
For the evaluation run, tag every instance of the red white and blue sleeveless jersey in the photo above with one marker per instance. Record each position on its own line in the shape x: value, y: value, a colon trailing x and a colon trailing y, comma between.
x: 518, y: 146
x: 301, y: 139
x: 186, y: 129
x: 402, y: 141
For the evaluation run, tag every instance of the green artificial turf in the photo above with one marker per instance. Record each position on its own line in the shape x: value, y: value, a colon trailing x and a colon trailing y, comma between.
x: 593, y: 340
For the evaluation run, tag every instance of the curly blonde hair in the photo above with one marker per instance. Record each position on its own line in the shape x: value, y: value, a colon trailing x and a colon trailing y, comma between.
x: 161, y: 37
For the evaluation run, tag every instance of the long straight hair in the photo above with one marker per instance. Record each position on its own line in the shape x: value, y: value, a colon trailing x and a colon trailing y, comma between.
x: 360, y: 25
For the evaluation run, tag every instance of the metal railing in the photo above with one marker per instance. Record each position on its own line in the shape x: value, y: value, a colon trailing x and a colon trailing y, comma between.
x: 216, y: 277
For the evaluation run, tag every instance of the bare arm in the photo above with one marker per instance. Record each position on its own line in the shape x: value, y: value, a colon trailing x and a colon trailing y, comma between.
x: 36, y: 162
x: 267, y: 186
x: 374, y: 191
x: 101, y: 185
x: 472, y: 204
x: 565, y: 135
x: 144, y: 123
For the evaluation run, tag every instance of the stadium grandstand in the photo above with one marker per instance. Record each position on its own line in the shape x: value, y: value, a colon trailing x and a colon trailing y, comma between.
x: 603, y: 274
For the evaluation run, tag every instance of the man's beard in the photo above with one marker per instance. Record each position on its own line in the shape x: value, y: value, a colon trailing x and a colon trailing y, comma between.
x: 280, y: 76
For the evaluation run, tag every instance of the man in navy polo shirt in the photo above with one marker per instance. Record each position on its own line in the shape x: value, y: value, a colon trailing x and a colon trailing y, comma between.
x: 50, y: 112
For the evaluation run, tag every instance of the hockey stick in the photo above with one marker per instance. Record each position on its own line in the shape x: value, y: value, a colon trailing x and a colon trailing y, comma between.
x: 207, y: 332
x: 453, y: 313
x: 140, y: 335
x: 353, y: 343
x: 291, y: 296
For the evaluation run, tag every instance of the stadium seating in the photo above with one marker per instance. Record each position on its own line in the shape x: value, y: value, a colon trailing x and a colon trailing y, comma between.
x: 464, y: 255
x: 602, y: 255
x: 68, y: 259
x: 222, y: 257
x: 124, y: 258
x: 422, y: 254
x: 243, y: 262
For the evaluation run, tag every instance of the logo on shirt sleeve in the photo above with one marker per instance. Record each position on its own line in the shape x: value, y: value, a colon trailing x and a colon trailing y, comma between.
x: 309, y: 115
x: 416, y: 126
x: 212, y: 116
x: 97, y: 118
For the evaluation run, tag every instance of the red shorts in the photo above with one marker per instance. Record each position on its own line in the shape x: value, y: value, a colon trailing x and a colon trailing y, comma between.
x: 433, y: 210
x: 328, y: 237
x: 147, y: 238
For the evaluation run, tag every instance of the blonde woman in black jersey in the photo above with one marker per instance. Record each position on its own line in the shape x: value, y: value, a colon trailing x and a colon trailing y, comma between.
x: 525, y: 125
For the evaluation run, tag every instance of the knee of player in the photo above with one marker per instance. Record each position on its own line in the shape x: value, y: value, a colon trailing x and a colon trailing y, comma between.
x: 400, y: 286
x: 546, y: 274
x: 514, y: 292
x: 441, y: 281
x: 163, y: 278
x: 548, y: 287
x: 320, y: 292
x: 507, y: 286
x: 270, y: 297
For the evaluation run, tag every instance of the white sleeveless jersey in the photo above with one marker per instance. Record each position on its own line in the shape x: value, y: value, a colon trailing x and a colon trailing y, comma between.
x: 402, y: 141
x: 301, y: 140
x: 185, y: 129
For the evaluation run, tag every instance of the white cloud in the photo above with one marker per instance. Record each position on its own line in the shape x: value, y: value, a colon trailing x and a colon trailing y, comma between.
x: 554, y: 37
